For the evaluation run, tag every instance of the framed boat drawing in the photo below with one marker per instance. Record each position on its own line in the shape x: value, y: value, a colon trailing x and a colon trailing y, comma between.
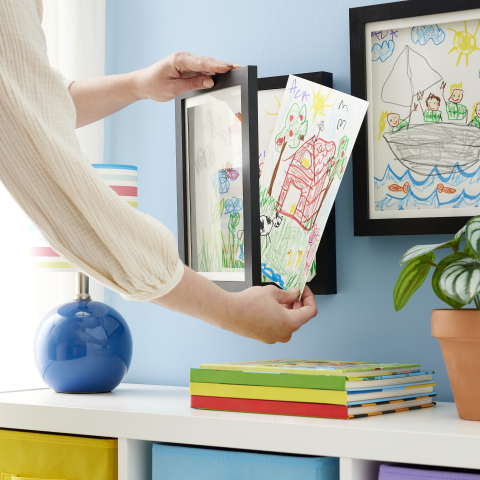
x: 416, y: 162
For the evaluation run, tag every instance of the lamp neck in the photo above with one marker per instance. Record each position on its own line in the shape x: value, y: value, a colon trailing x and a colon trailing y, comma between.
x: 82, y: 288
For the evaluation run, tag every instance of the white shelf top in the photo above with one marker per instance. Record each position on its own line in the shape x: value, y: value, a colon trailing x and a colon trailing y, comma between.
x: 431, y: 436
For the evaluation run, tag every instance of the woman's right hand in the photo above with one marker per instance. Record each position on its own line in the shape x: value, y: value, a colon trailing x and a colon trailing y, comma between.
x: 271, y: 315
x: 266, y: 314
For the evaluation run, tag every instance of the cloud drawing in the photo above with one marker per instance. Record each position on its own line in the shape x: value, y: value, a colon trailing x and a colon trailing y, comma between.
x: 424, y: 33
x: 383, y: 51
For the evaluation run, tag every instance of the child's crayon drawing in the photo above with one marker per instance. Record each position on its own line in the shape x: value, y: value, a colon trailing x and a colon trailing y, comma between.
x: 216, y: 190
x: 424, y: 144
x: 306, y: 158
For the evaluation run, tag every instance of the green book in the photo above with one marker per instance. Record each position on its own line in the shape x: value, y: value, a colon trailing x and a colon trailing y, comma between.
x: 292, y: 380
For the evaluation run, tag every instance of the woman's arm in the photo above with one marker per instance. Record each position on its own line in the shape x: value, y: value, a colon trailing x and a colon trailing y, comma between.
x: 267, y: 314
x: 98, y: 98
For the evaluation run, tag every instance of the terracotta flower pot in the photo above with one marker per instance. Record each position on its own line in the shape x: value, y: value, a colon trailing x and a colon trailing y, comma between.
x: 459, y: 335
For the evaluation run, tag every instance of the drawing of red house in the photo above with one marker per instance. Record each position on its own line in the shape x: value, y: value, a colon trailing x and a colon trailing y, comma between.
x: 307, y: 172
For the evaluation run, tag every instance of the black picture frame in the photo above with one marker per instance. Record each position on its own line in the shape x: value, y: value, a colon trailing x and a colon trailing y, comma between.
x: 325, y: 281
x: 246, y: 78
x: 359, y: 17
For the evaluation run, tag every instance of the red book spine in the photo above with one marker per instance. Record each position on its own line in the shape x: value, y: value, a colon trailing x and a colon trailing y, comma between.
x: 272, y: 407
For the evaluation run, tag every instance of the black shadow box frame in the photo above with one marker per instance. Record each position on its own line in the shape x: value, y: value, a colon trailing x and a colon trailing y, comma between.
x: 325, y: 281
x: 359, y: 17
x: 246, y: 77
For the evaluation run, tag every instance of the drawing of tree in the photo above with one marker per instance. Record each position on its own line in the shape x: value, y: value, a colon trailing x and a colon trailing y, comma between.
x: 296, y: 126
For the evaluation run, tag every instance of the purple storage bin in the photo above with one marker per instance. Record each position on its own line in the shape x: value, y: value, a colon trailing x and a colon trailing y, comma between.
x: 393, y: 472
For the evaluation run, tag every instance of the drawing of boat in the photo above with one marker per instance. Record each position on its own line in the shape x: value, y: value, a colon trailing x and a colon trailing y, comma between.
x: 421, y: 147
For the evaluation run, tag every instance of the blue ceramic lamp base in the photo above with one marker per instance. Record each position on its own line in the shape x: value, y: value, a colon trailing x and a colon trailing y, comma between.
x: 83, y: 346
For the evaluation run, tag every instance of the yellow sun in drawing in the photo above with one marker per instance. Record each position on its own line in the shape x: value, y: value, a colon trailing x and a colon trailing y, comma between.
x: 279, y: 105
x: 464, y: 42
x: 319, y: 103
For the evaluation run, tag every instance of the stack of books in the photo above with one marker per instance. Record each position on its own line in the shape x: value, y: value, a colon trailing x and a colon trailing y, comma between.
x: 311, y: 388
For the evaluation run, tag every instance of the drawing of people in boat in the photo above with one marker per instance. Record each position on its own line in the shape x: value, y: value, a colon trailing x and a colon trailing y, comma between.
x: 475, y: 116
x: 455, y: 110
x: 398, y: 123
x: 439, y: 144
x: 432, y: 114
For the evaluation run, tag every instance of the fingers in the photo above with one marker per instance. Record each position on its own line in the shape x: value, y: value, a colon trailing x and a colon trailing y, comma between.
x: 186, y: 62
x: 194, y: 74
x: 306, y: 312
x: 198, y: 82
x: 286, y: 297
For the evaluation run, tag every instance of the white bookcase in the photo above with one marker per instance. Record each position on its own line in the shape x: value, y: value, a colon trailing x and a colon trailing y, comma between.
x: 141, y: 414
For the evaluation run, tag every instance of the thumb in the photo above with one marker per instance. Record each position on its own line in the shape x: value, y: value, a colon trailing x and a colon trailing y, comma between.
x: 199, y: 82
x: 288, y: 296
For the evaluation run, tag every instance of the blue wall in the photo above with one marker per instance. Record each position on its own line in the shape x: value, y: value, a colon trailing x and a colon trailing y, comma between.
x: 280, y: 37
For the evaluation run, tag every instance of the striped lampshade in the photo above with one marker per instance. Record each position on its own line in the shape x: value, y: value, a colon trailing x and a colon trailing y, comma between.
x: 120, y: 178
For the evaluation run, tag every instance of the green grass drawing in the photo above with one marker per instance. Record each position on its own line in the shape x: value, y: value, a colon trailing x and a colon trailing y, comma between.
x: 219, y: 249
x: 289, y: 237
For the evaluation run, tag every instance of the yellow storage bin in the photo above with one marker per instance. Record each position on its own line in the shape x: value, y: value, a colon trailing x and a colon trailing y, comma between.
x: 40, y: 456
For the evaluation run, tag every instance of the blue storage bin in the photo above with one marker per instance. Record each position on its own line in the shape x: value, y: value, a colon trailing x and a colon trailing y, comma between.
x: 176, y: 462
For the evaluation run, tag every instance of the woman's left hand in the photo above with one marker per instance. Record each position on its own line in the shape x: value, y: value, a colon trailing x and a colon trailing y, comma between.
x: 177, y: 74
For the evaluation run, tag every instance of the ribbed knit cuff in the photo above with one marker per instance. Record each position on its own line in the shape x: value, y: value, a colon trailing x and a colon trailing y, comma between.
x: 166, y: 287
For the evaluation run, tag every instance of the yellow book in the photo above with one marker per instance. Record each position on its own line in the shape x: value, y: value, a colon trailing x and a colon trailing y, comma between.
x: 304, y: 395
x: 309, y: 395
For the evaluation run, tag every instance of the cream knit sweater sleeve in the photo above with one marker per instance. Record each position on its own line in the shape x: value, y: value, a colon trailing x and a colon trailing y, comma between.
x: 42, y: 167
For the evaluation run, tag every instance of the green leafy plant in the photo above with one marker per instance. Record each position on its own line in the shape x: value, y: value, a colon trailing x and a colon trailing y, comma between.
x: 456, y: 279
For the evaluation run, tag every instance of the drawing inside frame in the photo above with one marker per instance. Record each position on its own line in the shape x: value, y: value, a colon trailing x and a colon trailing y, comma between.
x: 423, y: 83
x: 300, y: 174
x: 214, y: 159
x: 269, y: 103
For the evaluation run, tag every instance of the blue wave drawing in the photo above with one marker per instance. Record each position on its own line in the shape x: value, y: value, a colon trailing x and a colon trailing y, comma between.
x: 424, y: 33
x: 456, y: 177
x: 275, y: 277
x: 411, y: 200
x: 383, y: 51
x: 423, y: 193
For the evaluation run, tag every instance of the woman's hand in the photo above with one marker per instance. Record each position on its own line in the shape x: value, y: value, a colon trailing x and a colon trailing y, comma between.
x: 267, y: 314
x: 97, y: 98
x: 271, y: 315
x: 177, y: 74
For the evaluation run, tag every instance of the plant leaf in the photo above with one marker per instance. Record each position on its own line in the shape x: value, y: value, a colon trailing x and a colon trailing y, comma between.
x: 472, y: 234
x: 411, y: 277
x: 459, y: 234
x: 420, y: 250
x: 436, y: 279
x: 461, y: 279
x: 468, y: 251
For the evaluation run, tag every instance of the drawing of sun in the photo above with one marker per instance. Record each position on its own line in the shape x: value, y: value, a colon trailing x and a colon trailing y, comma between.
x: 319, y: 103
x: 279, y: 105
x: 464, y: 42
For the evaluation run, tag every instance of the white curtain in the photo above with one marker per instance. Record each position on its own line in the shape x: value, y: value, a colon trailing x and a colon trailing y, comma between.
x: 75, y: 33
